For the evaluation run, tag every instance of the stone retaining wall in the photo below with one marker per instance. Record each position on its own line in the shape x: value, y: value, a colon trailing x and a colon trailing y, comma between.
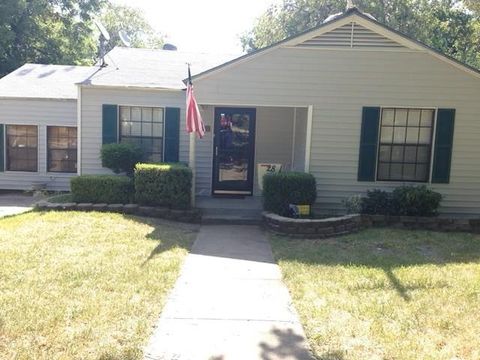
x: 190, y: 216
x: 318, y: 228
x: 336, y: 226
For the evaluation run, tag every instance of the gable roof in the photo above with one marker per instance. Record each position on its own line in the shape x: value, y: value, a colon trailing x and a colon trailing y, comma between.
x: 44, y: 81
x: 151, y: 68
x: 352, y: 17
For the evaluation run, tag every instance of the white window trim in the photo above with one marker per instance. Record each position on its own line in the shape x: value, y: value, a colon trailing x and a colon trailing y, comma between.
x: 59, y: 173
x: 6, y: 145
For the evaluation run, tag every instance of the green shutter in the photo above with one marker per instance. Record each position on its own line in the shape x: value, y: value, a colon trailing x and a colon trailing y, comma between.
x: 2, y: 147
x: 367, y: 161
x: 172, y: 134
x: 442, y: 153
x: 109, y: 124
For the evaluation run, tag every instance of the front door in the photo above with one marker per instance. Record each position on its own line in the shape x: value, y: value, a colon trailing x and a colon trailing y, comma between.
x: 233, y: 151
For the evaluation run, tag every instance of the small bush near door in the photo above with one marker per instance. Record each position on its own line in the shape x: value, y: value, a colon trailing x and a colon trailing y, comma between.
x: 163, y: 185
x: 285, y: 188
x: 109, y: 189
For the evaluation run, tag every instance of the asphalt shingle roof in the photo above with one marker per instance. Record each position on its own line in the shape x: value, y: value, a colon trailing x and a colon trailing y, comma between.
x: 166, y: 69
x: 44, y: 81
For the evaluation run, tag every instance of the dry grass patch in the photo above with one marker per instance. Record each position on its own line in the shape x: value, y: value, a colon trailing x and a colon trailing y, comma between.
x: 84, y: 285
x: 386, y: 294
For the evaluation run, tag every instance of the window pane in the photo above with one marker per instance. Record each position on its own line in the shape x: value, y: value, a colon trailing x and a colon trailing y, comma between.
x: 383, y: 171
x: 399, y: 135
x: 124, y: 113
x: 414, y: 118
x: 136, y: 129
x: 409, y: 172
x: 384, y: 154
x: 387, y: 116
x: 423, y: 155
x: 146, y: 129
x: 410, y: 154
x: 158, y: 115
x: 422, y: 172
x: 136, y: 114
x: 157, y: 145
x: 401, y: 117
x: 412, y: 135
x: 397, y: 153
x: 147, y: 114
x: 62, y: 149
x: 386, y: 135
x: 21, y: 150
x: 396, y: 171
x: 427, y: 118
x: 158, y: 130
x: 126, y: 128
x: 424, y: 136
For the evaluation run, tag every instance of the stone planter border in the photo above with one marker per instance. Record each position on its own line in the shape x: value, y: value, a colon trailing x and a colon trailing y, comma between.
x: 317, y: 228
x: 343, y: 225
x: 189, y: 216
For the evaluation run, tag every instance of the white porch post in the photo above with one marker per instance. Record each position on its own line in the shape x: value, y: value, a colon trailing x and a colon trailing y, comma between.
x: 191, y: 164
x: 308, y: 142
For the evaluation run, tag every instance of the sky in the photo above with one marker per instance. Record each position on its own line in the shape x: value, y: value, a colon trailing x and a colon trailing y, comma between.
x: 202, y: 25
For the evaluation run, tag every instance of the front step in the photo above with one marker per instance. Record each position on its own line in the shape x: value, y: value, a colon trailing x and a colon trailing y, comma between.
x: 231, y: 216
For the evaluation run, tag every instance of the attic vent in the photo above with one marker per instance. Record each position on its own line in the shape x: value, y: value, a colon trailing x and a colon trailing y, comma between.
x: 351, y: 35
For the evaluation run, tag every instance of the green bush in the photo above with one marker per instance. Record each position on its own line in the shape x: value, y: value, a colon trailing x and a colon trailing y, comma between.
x: 377, y: 202
x: 110, y: 189
x: 285, y: 188
x: 404, y: 200
x: 415, y: 201
x: 353, y: 204
x: 121, y: 157
x: 163, y: 185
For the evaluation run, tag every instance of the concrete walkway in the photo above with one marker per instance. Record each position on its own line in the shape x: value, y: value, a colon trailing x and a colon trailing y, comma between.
x: 15, y: 203
x: 229, y: 303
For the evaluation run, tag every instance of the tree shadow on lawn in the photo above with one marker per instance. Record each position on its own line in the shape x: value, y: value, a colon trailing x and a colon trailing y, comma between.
x: 167, y: 234
x: 385, y: 249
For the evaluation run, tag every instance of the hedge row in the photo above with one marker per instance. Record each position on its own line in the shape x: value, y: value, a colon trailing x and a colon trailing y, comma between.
x: 166, y: 185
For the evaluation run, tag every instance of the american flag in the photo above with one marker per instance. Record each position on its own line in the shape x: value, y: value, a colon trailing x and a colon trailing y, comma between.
x: 194, y: 119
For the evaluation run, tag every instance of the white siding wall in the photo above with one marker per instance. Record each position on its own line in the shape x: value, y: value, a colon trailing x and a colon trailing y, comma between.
x: 300, y: 139
x: 338, y: 83
x: 41, y: 112
x: 91, y: 102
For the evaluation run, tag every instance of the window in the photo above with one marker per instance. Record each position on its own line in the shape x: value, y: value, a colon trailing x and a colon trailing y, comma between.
x: 143, y: 126
x: 405, y: 144
x: 22, y: 143
x: 62, y: 149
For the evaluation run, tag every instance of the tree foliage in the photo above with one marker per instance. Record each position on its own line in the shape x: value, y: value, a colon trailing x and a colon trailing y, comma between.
x: 133, y: 22
x: 62, y: 32
x: 446, y: 25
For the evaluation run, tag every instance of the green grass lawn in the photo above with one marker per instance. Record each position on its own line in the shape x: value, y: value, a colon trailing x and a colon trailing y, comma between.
x: 84, y: 285
x: 386, y: 294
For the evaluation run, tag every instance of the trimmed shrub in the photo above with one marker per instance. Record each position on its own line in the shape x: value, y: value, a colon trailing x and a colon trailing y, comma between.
x: 377, y: 202
x: 121, y: 157
x: 415, y: 201
x: 110, y: 189
x: 404, y: 200
x: 163, y: 185
x: 353, y: 204
x: 285, y: 188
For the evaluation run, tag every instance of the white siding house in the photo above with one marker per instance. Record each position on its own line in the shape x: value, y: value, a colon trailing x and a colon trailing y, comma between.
x: 355, y: 103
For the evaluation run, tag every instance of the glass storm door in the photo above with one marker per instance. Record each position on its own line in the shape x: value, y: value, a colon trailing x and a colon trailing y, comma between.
x: 233, y: 152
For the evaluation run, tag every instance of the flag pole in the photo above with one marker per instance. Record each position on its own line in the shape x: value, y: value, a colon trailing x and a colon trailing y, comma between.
x: 191, y: 163
x: 191, y: 154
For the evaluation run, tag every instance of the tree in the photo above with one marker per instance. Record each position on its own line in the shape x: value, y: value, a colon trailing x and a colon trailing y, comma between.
x: 133, y: 22
x: 442, y: 24
x: 46, y: 31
